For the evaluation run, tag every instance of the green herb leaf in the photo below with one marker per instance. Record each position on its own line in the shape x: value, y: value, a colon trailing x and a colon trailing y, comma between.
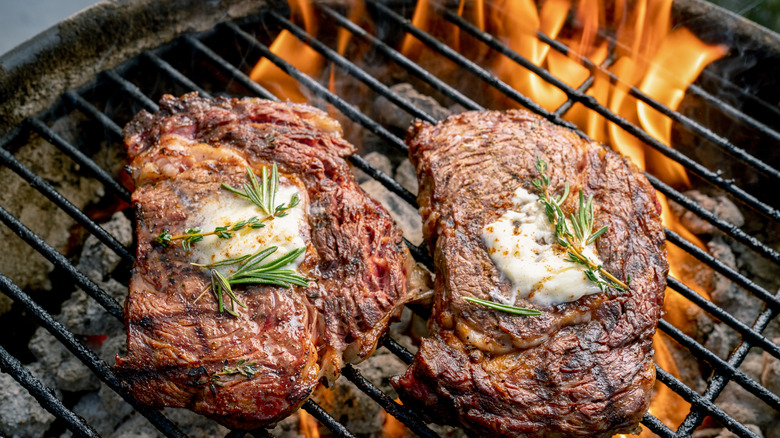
x: 251, y: 271
x: 504, y: 307
x: 580, y: 235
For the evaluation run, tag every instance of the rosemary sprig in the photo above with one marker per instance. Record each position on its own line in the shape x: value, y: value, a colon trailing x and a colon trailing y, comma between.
x: 504, y: 307
x: 202, y: 377
x: 262, y: 194
x: 581, y: 233
x: 250, y: 271
x: 192, y: 235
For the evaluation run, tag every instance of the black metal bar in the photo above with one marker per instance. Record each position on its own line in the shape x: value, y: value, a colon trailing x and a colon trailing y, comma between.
x: 403, y: 414
x: 87, y: 108
x: 719, y: 141
x: 44, y: 396
x: 412, y: 67
x: 323, y: 417
x: 723, y: 269
x: 86, y: 356
x: 398, y: 350
x: 54, y: 196
x: 701, y: 403
x: 132, y: 90
x: 420, y: 254
x: 733, y: 112
x: 229, y: 69
x: 747, y: 332
x: 657, y: 427
x: 343, y: 106
x: 59, y: 261
x: 473, y: 68
x: 720, y: 365
x: 384, y: 179
x: 352, y: 69
x: 76, y: 155
x: 175, y: 74
x: 727, y: 227
x: 718, y: 382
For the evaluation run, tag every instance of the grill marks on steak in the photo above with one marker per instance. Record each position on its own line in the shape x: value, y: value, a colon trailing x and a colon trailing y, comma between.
x: 582, y: 368
x: 296, y: 336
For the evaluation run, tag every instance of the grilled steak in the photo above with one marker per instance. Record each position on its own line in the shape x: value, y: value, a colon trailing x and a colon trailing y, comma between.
x: 581, y: 368
x: 253, y: 369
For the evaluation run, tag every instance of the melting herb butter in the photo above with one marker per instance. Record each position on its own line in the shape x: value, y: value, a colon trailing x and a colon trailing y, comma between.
x: 522, y: 245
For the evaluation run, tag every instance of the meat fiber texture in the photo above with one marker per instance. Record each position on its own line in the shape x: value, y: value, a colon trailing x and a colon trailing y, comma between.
x: 582, y: 368
x: 296, y: 336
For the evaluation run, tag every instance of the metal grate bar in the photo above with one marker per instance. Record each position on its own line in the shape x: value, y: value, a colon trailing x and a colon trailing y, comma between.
x: 79, y: 103
x: 723, y: 269
x: 86, y: 356
x: 402, y: 413
x: 383, y: 178
x: 352, y: 69
x: 657, y: 427
x: 727, y: 227
x: 733, y: 112
x: 719, y: 141
x: 471, y: 67
x: 399, y: 350
x: 132, y: 90
x: 230, y: 70
x: 698, y: 401
x: 175, y: 74
x: 74, y: 153
x: 721, y: 365
x: 321, y: 91
x: 47, y: 190
x: 590, y: 102
x: 718, y: 381
x: 59, y: 261
x: 412, y: 67
x: 44, y: 395
x: 323, y: 417
x: 747, y: 332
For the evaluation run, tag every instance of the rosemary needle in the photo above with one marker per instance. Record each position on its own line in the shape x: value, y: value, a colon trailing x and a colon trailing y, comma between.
x: 261, y: 193
x: 250, y: 271
x: 504, y: 307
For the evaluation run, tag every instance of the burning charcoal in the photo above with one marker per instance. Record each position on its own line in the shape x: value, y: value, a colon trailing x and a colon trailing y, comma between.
x: 391, y: 115
x: 729, y: 434
x: 719, y: 205
x: 377, y: 160
x: 407, y: 176
x: 404, y: 215
x: 21, y: 415
x: 745, y: 407
x: 68, y: 372
x: 97, y: 260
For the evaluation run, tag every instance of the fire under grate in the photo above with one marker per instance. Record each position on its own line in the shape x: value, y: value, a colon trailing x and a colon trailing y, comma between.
x: 200, y: 62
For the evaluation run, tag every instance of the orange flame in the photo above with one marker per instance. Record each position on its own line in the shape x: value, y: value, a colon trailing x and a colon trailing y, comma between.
x: 292, y: 50
x: 308, y: 425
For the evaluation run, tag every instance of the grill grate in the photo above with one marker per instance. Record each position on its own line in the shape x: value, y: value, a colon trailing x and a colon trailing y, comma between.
x: 136, y: 94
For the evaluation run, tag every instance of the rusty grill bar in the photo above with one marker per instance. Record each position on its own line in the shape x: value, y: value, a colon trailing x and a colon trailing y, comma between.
x: 84, y: 101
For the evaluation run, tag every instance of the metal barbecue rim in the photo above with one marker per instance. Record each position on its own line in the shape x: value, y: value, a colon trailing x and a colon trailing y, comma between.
x: 703, y: 405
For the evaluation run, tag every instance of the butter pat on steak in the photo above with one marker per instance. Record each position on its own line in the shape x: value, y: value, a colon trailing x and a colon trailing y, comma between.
x: 181, y: 351
x: 581, y: 368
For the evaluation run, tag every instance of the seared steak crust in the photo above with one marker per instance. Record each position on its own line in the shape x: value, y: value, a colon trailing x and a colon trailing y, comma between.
x: 583, y: 368
x: 180, y: 156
